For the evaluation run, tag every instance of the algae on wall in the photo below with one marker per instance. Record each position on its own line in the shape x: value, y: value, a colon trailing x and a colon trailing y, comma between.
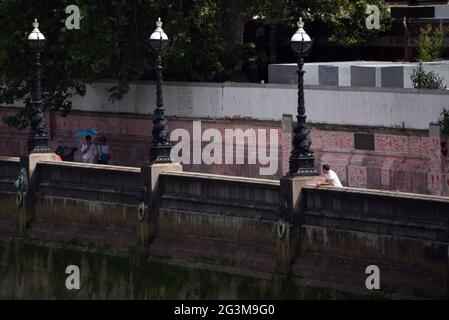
x: 31, y: 269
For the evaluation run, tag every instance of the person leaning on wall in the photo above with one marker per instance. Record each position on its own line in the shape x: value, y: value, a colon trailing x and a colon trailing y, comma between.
x: 331, y: 177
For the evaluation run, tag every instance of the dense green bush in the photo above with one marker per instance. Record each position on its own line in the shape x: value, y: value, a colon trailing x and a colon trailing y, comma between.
x: 426, y: 80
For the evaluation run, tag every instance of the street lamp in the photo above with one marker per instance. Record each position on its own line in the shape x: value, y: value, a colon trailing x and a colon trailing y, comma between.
x: 160, y: 146
x: 38, y: 138
x: 302, y: 159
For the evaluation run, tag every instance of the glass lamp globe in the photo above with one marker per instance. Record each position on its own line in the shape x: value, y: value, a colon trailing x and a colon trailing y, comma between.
x: 159, y: 39
x: 36, y: 40
x: 301, y: 41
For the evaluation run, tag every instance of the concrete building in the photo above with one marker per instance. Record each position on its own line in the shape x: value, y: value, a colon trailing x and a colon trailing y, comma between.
x: 368, y: 74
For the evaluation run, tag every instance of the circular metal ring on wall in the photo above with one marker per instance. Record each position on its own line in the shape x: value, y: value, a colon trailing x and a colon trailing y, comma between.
x: 21, y: 185
x: 282, y: 228
x: 19, y: 199
x: 141, y: 209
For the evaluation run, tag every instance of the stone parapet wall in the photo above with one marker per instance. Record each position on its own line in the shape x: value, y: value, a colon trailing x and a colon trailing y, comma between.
x: 9, y: 172
x: 345, y: 231
x: 9, y: 168
x: 86, y: 204
x: 243, y: 226
x: 229, y: 221
x: 252, y: 198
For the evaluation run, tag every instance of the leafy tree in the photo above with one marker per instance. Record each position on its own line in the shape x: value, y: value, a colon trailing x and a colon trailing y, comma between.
x: 112, y: 42
x: 344, y: 20
x: 431, y: 43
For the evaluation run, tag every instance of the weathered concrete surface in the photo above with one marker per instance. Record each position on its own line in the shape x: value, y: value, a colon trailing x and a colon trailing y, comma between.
x: 148, y: 220
x: 151, y: 173
x: 345, y: 231
x: 27, y: 211
x: 9, y: 172
x: 331, y: 105
x: 30, y: 162
x: 229, y: 220
x: 234, y: 196
x: 89, y: 204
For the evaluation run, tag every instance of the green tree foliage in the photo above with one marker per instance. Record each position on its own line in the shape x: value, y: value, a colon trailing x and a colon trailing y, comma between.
x: 345, y: 20
x: 430, y: 48
x: 431, y: 43
x: 426, y: 80
x: 112, y: 42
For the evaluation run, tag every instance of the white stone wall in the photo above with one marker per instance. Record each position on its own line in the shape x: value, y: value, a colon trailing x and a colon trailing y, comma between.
x: 406, y: 108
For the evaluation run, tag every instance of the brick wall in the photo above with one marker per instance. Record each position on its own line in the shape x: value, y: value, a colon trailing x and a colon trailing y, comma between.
x: 404, y: 160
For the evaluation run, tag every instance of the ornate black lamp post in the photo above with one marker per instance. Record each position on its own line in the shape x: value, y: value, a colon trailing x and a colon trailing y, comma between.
x: 38, y: 138
x: 160, y: 146
x: 302, y: 159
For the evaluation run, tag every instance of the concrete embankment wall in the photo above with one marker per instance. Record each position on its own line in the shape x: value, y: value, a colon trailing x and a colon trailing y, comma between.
x: 267, y: 238
x: 342, y: 230
x: 95, y: 203
x: 9, y: 172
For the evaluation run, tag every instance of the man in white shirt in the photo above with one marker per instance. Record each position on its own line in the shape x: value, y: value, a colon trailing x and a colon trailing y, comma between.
x: 331, y: 178
x: 89, y: 151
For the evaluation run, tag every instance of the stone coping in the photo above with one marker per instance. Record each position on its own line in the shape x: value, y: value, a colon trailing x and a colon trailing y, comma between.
x: 204, y: 176
x: 89, y: 166
x: 9, y: 159
x: 381, y: 193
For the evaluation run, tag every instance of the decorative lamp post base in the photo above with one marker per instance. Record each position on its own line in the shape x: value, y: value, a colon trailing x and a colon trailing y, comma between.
x: 38, y: 144
x: 160, y: 153
x: 303, y: 166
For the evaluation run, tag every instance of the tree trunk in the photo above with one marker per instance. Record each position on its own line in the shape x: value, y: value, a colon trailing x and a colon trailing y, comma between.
x: 234, y: 21
x: 233, y: 27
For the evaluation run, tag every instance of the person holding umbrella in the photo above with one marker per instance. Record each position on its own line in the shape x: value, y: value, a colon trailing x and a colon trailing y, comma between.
x: 89, y: 151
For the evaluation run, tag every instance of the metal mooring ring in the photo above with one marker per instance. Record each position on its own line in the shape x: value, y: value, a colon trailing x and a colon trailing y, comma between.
x: 141, y: 209
x: 19, y: 199
x: 21, y: 185
x: 282, y: 229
